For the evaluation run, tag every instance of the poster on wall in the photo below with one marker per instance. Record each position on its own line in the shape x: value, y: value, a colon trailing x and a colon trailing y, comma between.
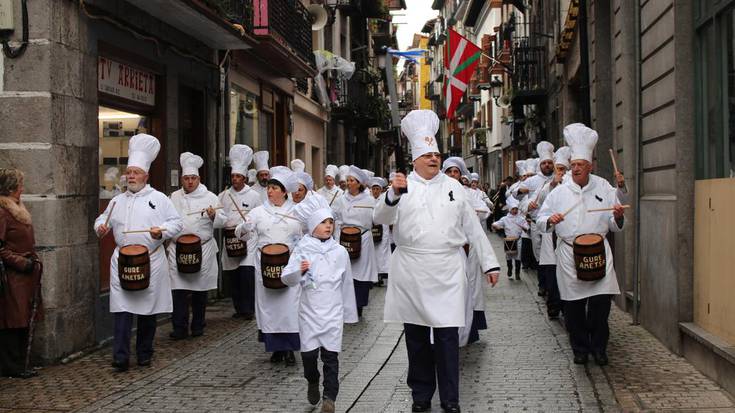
x: 121, y: 80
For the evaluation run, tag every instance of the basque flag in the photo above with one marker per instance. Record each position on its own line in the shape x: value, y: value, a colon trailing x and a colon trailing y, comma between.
x: 461, y: 57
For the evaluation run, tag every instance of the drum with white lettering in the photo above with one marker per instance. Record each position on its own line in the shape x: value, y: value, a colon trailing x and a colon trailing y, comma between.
x: 189, y: 254
x: 134, y: 267
x: 235, y: 246
x: 377, y: 232
x: 351, y: 239
x: 589, y: 257
x: 273, y: 258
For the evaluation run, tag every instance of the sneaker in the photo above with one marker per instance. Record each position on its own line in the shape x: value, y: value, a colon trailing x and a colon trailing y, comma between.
x: 312, y: 394
x: 327, y: 406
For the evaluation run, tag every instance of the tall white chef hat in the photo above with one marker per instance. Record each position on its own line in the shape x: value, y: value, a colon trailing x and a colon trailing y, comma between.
x: 285, y: 177
x: 511, y: 202
x: 142, y: 150
x: 545, y: 151
x: 305, y: 180
x: 582, y: 140
x: 370, y: 174
x: 455, y: 162
x: 297, y: 165
x: 420, y: 127
x: 261, y: 161
x: 378, y: 181
x: 111, y: 174
x: 344, y: 170
x: 561, y: 156
x: 252, y: 175
x: 391, y: 175
x: 358, y: 174
x: 190, y: 164
x: 474, y: 176
x: 312, y: 211
x: 332, y: 171
x: 240, y: 158
x: 531, y: 166
x: 521, y: 168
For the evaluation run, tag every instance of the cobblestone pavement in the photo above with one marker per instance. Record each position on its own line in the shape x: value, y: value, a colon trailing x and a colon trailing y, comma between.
x: 522, y: 363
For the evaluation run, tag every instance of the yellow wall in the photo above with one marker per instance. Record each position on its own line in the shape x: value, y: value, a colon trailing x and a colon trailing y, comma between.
x: 714, y: 257
x: 424, y: 76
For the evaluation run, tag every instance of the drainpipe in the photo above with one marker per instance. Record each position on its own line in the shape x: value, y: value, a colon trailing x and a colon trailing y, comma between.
x: 637, y: 209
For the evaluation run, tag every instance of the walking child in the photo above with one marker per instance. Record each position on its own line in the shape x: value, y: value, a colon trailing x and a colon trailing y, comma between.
x: 513, y: 224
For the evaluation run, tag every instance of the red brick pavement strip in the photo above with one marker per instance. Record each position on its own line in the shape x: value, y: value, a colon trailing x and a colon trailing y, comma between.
x: 72, y: 386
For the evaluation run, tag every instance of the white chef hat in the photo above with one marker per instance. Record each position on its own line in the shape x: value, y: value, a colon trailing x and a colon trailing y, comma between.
x: 285, y: 177
x: 297, y: 165
x: 561, y: 156
x: 240, y: 158
x: 420, y: 127
x: 378, y: 181
x: 531, y: 166
x: 391, y: 175
x: 332, y: 171
x: 344, y: 170
x: 545, y: 151
x: 521, y: 168
x: 312, y: 211
x: 455, y: 162
x: 370, y: 174
x: 252, y: 175
x: 111, y: 174
x: 474, y: 176
x: 358, y: 174
x: 261, y: 160
x: 305, y: 180
x: 190, y: 164
x: 142, y: 150
x: 581, y: 140
x: 511, y: 202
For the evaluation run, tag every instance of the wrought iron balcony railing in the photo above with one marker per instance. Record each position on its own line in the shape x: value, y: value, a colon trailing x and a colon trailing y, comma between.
x: 529, y: 73
x: 288, y: 24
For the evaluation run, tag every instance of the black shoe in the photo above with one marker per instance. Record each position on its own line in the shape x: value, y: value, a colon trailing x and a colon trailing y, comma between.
x: 120, y: 366
x: 277, y: 357
x: 601, y: 359
x: 144, y: 362
x: 312, y: 394
x: 197, y: 333
x: 451, y: 408
x: 541, y: 292
x: 518, y: 276
x: 553, y: 315
x: 580, y: 359
x: 290, y: 358
x: 177, y: 336
x: 421, y: 406
x: 26, y: 374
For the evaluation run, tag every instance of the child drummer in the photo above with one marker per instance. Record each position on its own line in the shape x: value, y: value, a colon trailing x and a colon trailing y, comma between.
x: 513, y: 224
x: 322, y: 267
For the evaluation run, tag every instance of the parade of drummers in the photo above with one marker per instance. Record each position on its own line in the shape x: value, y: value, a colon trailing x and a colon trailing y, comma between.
x: 367, y: 206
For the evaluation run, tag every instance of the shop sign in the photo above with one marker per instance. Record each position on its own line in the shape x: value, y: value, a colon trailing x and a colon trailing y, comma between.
x: 121, y: 80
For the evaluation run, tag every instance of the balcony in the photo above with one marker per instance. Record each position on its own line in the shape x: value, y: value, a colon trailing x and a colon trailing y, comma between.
x: 455, y: 142
x: 382, y: 33
x: 529, y: 74
x: 283, y: 31
x: 350, y: 7
x: 212, y: 24
x: 478, y: 141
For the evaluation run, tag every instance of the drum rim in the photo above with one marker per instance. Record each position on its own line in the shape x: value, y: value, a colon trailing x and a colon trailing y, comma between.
x: 277, y: 243
x: 599, y: 238
x: 357, y: 230
x: 511, y: 238
x: 147, y: 251
x: 195, y: 238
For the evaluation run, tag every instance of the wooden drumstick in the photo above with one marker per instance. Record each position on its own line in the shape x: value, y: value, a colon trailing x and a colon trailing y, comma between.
x: 363, y: 206
x: 236, y: 207
x: 615, y: 164
x: 606, y: 209
x: 333, y: 197
x: 112, y: 208
x: 287, y: 216
x: 571, y: 209
x: 138, y: 231
x: 202, y: 211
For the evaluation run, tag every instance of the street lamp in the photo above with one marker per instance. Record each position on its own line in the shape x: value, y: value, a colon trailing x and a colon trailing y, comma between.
x: 496, y: 86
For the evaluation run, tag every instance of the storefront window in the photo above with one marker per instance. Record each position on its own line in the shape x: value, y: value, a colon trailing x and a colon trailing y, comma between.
x: 115, y: 130
x: 244, y: 119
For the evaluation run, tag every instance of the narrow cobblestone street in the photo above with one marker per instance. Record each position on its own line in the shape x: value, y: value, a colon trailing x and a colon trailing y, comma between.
x: 522, y: 363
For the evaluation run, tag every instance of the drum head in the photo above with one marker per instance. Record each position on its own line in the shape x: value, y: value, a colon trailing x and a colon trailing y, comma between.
x: 189, y: 239
x: 588, y: 239
x: 134, y: 249
x: 274, y: 249
x: 510, y: 239
x: 351, y: 230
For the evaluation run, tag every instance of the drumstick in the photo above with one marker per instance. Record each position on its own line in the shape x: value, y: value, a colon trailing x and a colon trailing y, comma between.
x: 112, y: 208
x: 363, y: 206
x: 333, y: 197
x: 615, y: 164
x: 138, y: 231
x: 204, y: 210
x: 288, y: 216
x: 571, y: 209
x: 236, y: 207
x: 606, y: 209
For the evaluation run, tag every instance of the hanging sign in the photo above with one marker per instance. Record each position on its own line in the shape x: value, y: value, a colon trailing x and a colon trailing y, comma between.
x: 119, y: 79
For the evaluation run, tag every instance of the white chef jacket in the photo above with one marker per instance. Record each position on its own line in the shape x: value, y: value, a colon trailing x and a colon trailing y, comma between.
x: 433, y: 220
x: 357, y: 211
x: 330, y: 195
x: 261, y: 190
x: 247, y: 199
x: 141, y: 210
x: 276, y: 310
x: 596, y: 194
x: 203, y: 227
x: 327, y: 293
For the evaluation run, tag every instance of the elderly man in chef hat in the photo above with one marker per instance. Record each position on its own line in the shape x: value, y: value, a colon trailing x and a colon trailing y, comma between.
x: 238, y: 200
x: 565, y: 211
x: 428, y: 288
x: 262, y: 174
x: 330, y: 191
x: 196, y: 205
x: 155, y: 220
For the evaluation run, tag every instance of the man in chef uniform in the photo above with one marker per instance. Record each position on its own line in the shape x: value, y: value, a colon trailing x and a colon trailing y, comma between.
x: 330, y: 191
x: 239, y: 272
x: 262, y: 174
x: 196, y: 205
x: 428, y: 288
x: 139, y: 208
x: 586, y: 303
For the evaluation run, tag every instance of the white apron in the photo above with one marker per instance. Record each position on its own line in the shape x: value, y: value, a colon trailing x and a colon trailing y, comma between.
x: 348, y: 212
x: 382, y: 252
x: 247, y: 199
x: 571, y: 288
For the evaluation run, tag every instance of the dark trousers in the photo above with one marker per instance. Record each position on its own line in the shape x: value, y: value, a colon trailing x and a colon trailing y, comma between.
x: 527, y: 257
x: 586, y: 321
x: 331, y: 370
x: 123, y: 324
x: 13, y: 343
x: 241, y: 283
x: 509, y: 263
x: 427, y: 363
x: 180, y: 317
x: 553, y: 299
